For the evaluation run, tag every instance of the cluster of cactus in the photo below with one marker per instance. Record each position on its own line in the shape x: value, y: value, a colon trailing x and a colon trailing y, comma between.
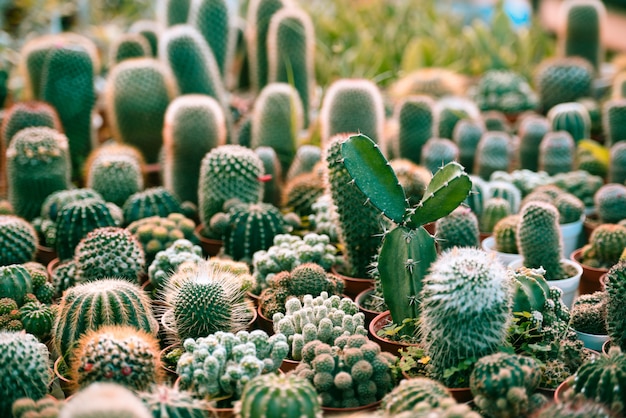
x: 324, y: 318
x: 494, y: 209
x: 301, y: 192
x: 18, y: 240
x: 416, y: 126
x: 154, y: 201
x: 23, y: 115
x: 42, y: 288
x: 25, y: 371
x: 492, y: 154
x: 219, y: 366
x: 531, y: 131
x: 580, y: 183
x: 503, y: 385
x: 447, y: 408
x: 438, y: 152
x: 610, y: 202
x: 47, y: 407
x: 104, y: 399
x: 606, y: 244
x: 413, y: 178
x: 572, y: 118
x: 458, y: 229
x: 562, y: 80
x: 411, y: 392
x: 588, y: 313
x: 353, y: 372
x: 615, y: 312
x: 166, y: 262
x: 324, y: 219
x: 505, y: 234
x: 156, y: 234
x: 164, y: 401
x: 506, y: 91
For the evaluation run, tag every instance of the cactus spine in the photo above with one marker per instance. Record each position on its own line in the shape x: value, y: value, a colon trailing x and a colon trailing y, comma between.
x: 582, y: 23
x: 416, y: 120
x: 572, y: 118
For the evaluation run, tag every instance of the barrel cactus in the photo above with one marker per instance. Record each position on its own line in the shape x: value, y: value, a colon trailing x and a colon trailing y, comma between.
x: 128, y: 45
x: 505, y: 234
x: 506, y: 91
x: 606, y: 244
x: 153, y: 201
x: 18, y: 240
x: 610, y: 202
x: 15, y: 283
x: 495, y: 208
x: 104, y: 399
x: 573, y: 118
x: 458, y: 229
x: 411, y: 392
x: 562, y: 80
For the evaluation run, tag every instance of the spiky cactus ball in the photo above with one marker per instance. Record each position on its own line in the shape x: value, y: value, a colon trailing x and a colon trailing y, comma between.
x: 18, y: 240
x: 610, y: 202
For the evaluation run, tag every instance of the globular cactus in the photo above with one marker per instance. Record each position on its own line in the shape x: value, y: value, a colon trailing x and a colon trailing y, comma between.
x: 619, y: 86
x: 15, y: 283
x: 211, y: 18
x: 149, y: 29
x: 227, y: 172
x: 25, y: 369
x: 580, y: 183
x: 194, y: 125
x: 562, y: 80
x: 438, y: 152
x: 271, y: 395
x: 416, y: 126
x: 411, y: 392
x: 503, y: 384
x: 27, y: 115
x: 109, y: 252
x: 580, y: 24
x: 495, y: 208
x: 606, y: 244
x: 531, y: 131
x: 127, y: 46
x: 615, y: 311
x: 351, y: 106
x: 154, y: 201
x: 617, y: 164
x: 458, y: 229
x: 307, y: 156
x: 89, y: 306
x: 301, y: 192
x: 451, y: 110
x: 137, y: 94
x: 492, y: 154
x: 104, y: 399
x: 166, y: 262
x: 164, y: 401
x: 588, y: 313
x: 610, y: 202
x: 571, y: 117
x: 291, y: 53
x: 277, y: 119
x: 47, y: 407
x: 118, y: 354
x: 556, y: 153
x: 38, y: 164
x: 466, y: 135
x: 505, y: 234
x: 466, y: 306
x: 37, y: 319
x: 18, y: 240
x: 579, y: 408
x: 570, y: 208
x: 495, y: 120
x: 613, y: 120
x: 505, y: 91
x: 412, y: 177
x: 507, y: 191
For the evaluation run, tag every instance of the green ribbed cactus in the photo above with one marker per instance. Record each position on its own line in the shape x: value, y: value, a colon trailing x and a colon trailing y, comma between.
x: 495, y: 120
x: 505, y: 234
x: 494, y: 209
x: 411, y: 392
x: 307, y: 156
x: 291, y: 53
x: 119, y: 354
x: 18, y: 240
x: 154, y: 201
x: 26, y: 115
x: 557, y: 153
x: 438, y: 152
x: 571, y: 117
x: 539, y: 239
x: 37, y: 319
x: 174, y: 12
x: 213, y: 21
x: 606, y: 244
x: 614, y: 120
x: 149, y: 29
x: 416, y: 126
x: 505, y: 91
x: 466, y: 306
x: 194, y: 125
x: 617, y: 164
x: 508, y: 191
x: 25, y: 369
x: 615, y: 285
x: 109, y: 252
x: 619, y: 85
x: 503, y: 384
x: 273, y: 395
x: 88, y: 306
x: 273, y: 178
x: 531, y: 131
x: 466, y: 135
x: 15, y: 283
x: 167, y: 402
x: 277, y: 119
x: 156, y: 234
x: 492, y: 154
x: 166, y: 262
x: 104, y: 399
x: 562, y: 80
x: 137, y: 94
x: 127, y: 46
x: 76, y: 220
x: 458, y: 229
x: 352, y: 106
x: 451, y: 110
x: 610, y: 202
x: 580, y: 25
x: 55, y: 202
x: 37, y: 164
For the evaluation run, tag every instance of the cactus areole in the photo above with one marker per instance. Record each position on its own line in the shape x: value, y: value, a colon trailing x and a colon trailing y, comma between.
x: 408, y: 244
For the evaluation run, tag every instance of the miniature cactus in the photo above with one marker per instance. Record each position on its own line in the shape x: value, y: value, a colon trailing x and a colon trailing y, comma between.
x: 588, y: 313
x: 556, y: 153
x: 579, y: 408
x: 351, y: 106
x: 466, y: 135
x: 166, y: 262
x: 563, y: 80
x: 492, y: 154
x: 27, y: 115
x: 149, y: 29
x: 613, y: 117
x: 25, y: 371
x: 531, y: 131
x: 505, y: 91
x: 15, y: 283
x: 43, y: 408
x: 156, y: 234
x: 571, y: 117
x: 615, y: 312
x: 580, y: 34
x: 438, y: 152
x: 213, y: 21
x: 37, y: 319
x: 128, y: 45
x: 416, y: 120
x: 505, y: 234
x: 495, y: 208
x: 38, y: 164
x: 302, y: 191
x: 19, y: 240
x: 411, y: 392
x: 167, y: 402
x: 117, y: 354
x: 154, y: 201
x: 194, y: 125
x: 273, y: 178
x: 91, y: 305
x: 173, y: 12
x: 495, y: 121
x: 617, y: 164
x: 451, y: 110
x: 412, y: 177
x: 458, y: 229
x: 610, y: 202
x: 104, y: 399
x: 606, y: 244
x: 307, y: 156
x: 137, y: 94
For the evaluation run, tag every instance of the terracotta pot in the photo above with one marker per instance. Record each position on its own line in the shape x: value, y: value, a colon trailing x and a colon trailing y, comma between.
x: 359, y: 300
x: 390, y: 346
x: 288, y: 365
x: 559, y: 393
x: 328, y: 411
x: 67, y: 386
x: 52, y: 265
x: 263, y: 322
x: 353, y: 285
x: 45, y: 255
x: 590, y: 279
x: 254, y: 298
x: 210, y: 247
x: 462, y: 395
x: 591, y: 222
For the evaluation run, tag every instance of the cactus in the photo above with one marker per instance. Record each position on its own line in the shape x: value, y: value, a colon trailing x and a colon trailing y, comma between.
x: 136, y: 97
x: 580, y: 183
x: 307, y: 156
x: 570, y: 208
x: 277, y: 120
x: 496, y: 121
x: 273, y: 178
x: 556, y: 153
x: 129, y: 45
x: 154, y: 201
x: 610, y: 202
x: 38, y: 164
x: 15, y: 283
x: 503, y: 384
x: 615, y: 312
x: 25, y: 370
x: 451, y: 110
x: 109, y: 252
x: 466, y: 135
x: 416, y: 124
x: 613, y: 119
x: 351, y: 106
x: 166, y: 402
x: 508, y: 191
x: 495, y: 208
x: 412, y: 177
x: 19, y: 240
x: 458, y: 229
x: 166, y: 262
x: 588, y: 313
x: 411, y: 392
x: 116, y: 354
x: 606, y: 244
x: 579, y: 408
x: 273, y: 395
x: 91, y: 305
x: 580, y: 34
x: 37, y: 319
x: 438, y: 152
x: 617, y: 164
x: 213, y: 21
x: 149, y: 29
x: 43, y: 408
x: 492, y: 154
x: 592, y: 157
x: 301, y: 192
x: 505, y: 234
x: 27, y: 115
x: 104, y: 399
x: 194, y: 125
x: 562, y: 80
x: 571, y: 117
x: 466, y: 307
x: 531, y: 131
x: 173, y: 12
x: 506, y: 91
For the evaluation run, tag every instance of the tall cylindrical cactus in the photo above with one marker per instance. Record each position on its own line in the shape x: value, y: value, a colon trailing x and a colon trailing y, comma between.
x: 451, y: 110
x: 556, y: 153
x: 466, y: 135
x: 416, y: 123
x: 573, y: 118
x: 495, y: 208
x: 581, y: 24
x: 150, y: 30
x: 137, y: 94
x: 305, y: 159
x: 458, y: 229
x: 614, y: 121
x: 531, y: 131
x: 617, y: 163
x: 492, y: 154
x: 129, y: 45
x: 273, y: 179
x: 615, y: 286
x: 562, y: 80
x: 194, y: 125
x: 173, y: 12
x: 213, y: 21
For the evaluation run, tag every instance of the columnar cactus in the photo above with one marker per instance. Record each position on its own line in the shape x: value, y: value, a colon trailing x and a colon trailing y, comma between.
x: 128, y: 45
x: 272, y: 395
x: 173, y: 12
x: 156, y: 234
x: 411, y: 392
x: 26, y: 115
x: 351, y: 106
x: 588, y: 313
x: 581, y: 23
x: 610, y: 202
x: 438, y: 152
x: 273, y: 178
x: 556, y: 153
x: 194, y: 125
x: 91, y: 305
x: 449, y: 111
x: 495, y: 120
x: 149, y: 29
x: 615, y: 286
x: 38, y: 164
x: 166, y: 262
x: 562, y: 80
x: 466, y: 135
x: 307, y: 156
x: 416, y: 123
x: 617, y: 164
x: 458, y: 229
x: 495, y: 208
x: 571, y: 117
x: 19, y: 240
x: 213, y: 21
x: 492, y: 154
x: 505, y: 234
x: 137, y: 94
x: 531, y: 131
x: 613, y: 119
x: 104, y: 399
x: 154, y: 201
x: 277, y: 120
x: 25, y: 369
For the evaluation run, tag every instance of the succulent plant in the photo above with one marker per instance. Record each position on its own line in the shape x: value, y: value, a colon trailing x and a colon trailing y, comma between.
x: 307, y: 156
x: 562, y: 80
x: 580, y: 408
x: 571, y: 117
x: 413, y: 178
x: 105, y: 399
x: 30, y: 114
x: 505, y: 234
x: 166, y: 402
x: 588, y: 313
x: 580, y: 33
x: 451, y: 110
x: 494, y: 209
x: 412, y: 392
x: 458, y: 229
x: 615, y: 313
x: 154, y: 201
x: 580, y: 183
x: 606, y: 244
x: 47, y: 407
x: 437, y: 152
x: 15, y: 283
x: 18, y: 240
x: 531, y: 131
x: 166, y: 262
x: 610, y: 202
x: 556, y: 153
x: 128, y: 45
x: 37, y: 319
x: 273, y: 178
x: 214, y: 22
x: 301, y: 192
x: 617, y: 164
x: 506, y: 91
x: 416, y: 126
